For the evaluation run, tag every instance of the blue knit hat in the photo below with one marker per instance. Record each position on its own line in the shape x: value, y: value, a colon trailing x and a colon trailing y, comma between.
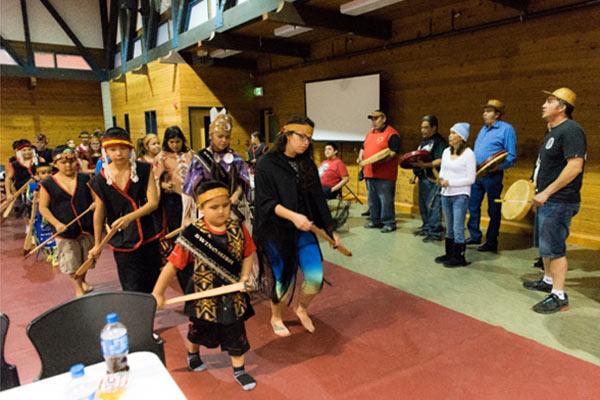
x: 461, y: 129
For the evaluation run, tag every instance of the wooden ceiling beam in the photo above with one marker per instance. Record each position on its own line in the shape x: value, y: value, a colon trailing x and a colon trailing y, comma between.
x: 519, y: 5
x: 313, y: 17
x: 257, y: 44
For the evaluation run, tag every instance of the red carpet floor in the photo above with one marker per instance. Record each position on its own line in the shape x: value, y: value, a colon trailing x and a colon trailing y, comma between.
x: 372, y: 342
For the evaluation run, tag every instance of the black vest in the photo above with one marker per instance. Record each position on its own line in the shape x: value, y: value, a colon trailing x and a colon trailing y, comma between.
x: 118, y: 203
x: 22, y: 173
x: 66, y: 207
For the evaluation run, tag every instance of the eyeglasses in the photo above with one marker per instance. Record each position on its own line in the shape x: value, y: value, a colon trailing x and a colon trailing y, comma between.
x: 303, y: 137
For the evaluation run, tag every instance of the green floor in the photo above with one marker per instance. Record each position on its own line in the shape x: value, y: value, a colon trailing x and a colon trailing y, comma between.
x: 489, y: 289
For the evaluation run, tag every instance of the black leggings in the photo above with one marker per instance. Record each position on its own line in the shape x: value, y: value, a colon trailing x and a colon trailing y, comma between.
x: 139, y: 269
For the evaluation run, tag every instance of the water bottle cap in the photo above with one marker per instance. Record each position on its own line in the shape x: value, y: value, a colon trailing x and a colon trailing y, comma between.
x: 77, y: 371
x: 112, y: 318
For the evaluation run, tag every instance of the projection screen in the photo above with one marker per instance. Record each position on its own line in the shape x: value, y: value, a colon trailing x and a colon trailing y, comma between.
x: 339, y: 107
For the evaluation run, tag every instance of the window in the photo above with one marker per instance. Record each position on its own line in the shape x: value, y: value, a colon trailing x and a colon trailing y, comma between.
x: 71, y: 62
x: 199, y: 13
x: 127, y: 123
x: 44, y: 60
x: 6, y: 58
x: 150, y: 117
x: 163, y: 35
x: 137, y: 48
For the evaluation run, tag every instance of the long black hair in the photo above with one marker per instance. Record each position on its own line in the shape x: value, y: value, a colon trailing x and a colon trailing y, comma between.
x: 174, y: 132
x: 306, y: 165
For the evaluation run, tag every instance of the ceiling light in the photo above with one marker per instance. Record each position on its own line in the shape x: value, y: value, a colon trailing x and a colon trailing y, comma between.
x: 358, y: 7
x: 222, y: 53
x: 290, y: 30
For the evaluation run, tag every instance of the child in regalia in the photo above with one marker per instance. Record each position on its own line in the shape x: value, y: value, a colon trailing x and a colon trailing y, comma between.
x: 18, y: 172
x: 42, y: 229
x: 126, y: 198
x: 219, y: 249
x: 63, y: 197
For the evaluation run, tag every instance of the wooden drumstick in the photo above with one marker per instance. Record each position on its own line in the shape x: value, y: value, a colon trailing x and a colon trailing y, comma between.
x: 8, y: 206
x: 45, y: 242
x: 323, y: 235
x: 29, y: 243
x: 87, y: 264
x: 234, y: 287
x: 172, y: 234
x: 512, y: 201
x: 380, y: 155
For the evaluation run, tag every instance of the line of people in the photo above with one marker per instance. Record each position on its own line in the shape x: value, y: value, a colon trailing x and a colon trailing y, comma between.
x: 200, y: 194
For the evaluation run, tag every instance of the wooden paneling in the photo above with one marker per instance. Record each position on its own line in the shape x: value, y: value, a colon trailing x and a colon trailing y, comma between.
x: 453, y: 76
x: 171, y: 89
x: 156, y: 91
x: 60, y: 109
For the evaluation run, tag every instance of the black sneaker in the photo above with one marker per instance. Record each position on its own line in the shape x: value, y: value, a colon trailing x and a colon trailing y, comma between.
x: 539, y: 263
x: 538, y: 285
x: 420, y: 232
x: 365, y: 214
x: 432, y: 238
x: 551, y: 304
x: 471, y: 241
x: 371, y: 225
x: 488, y: 247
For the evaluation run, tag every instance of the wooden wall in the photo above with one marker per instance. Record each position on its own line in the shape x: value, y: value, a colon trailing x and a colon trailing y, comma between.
x: 453, y: 76
x: 171, y: 89
x: 60, y: 109
x: 156, y: 91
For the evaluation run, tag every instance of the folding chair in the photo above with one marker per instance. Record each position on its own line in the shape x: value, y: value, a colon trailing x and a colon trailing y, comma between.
x: 70, y: 333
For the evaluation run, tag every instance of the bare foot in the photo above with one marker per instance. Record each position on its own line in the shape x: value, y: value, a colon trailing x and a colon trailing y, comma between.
x: 86, y: 287
x: 305, y: 319
x: 79, y: 292
x: 279, y: 328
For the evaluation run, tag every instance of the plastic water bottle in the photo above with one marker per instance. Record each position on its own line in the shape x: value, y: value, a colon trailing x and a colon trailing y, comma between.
x: 115, y: 345
x: 81, y: 387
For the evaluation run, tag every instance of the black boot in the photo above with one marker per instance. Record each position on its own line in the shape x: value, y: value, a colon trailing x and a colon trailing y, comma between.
x: 445, y: 257
x: 457, y: 257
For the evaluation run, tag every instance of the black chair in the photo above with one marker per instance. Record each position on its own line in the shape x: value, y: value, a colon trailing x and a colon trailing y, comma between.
x: 70, y: 333
x: 9, y: 377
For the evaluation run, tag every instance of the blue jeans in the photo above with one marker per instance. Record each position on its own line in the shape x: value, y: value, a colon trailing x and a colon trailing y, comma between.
x: 554, y: 220
x: 381, y: 201
x: 430, y: 207
x: 455, y: 212
x: 492, y: 186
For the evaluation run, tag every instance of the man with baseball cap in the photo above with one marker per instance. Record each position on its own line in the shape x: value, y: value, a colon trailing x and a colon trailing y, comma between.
x: 380, y: 168
x: 495, y: 136
x: 558, y: 177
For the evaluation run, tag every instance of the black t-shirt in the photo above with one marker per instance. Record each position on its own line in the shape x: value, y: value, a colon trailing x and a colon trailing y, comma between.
x: 562, y: 142
x: 435, y: 145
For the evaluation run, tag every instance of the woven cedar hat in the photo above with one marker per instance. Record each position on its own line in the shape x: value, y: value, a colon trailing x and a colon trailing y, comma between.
x: 564, y: 94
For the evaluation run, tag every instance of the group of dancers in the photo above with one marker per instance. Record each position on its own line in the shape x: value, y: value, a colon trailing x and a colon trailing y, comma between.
x: 136, y: 201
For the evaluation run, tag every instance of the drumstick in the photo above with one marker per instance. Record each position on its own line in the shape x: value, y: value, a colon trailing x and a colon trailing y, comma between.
x: 512, y: 201
x: 234, y: 287
x: 8, y: 206
x: 90, y: 261
x: 174, y: 233
x: 323, y: 235
x: 45, y: 242
x: 29, y: 243
x: 376, y: 157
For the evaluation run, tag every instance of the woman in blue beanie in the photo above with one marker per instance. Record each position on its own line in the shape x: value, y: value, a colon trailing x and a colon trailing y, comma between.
x: 457, y: 174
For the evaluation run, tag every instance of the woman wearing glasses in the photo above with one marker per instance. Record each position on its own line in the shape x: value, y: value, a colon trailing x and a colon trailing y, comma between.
x: 289, y: 200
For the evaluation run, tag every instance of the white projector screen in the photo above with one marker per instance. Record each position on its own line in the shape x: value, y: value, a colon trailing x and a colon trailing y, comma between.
x: 339, y: 107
